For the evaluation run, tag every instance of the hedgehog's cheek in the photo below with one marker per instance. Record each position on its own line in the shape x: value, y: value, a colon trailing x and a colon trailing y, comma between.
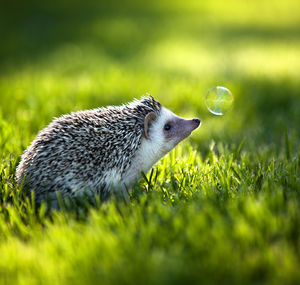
x: 170, y: 144
x: 175, y: 142
x: 177, y: 137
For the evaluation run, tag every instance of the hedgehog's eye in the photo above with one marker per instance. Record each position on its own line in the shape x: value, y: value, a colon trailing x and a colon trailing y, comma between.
x: 167, y: 127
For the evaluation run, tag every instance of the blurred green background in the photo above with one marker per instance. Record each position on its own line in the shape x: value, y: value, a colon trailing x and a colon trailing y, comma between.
x: 61, y: 56
x: 225, y: 206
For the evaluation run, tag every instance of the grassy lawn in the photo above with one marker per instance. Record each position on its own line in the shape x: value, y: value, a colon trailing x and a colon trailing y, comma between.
x: 224, y: 206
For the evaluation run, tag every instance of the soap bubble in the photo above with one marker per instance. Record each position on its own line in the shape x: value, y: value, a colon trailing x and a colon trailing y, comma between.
x: 219, y: 100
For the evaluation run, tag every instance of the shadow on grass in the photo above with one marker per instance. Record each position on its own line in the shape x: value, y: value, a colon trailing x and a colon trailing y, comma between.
x: 32, y: 29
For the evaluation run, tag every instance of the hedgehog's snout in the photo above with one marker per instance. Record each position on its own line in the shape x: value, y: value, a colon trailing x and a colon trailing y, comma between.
x: 197, y: 122
x: 190, y: 125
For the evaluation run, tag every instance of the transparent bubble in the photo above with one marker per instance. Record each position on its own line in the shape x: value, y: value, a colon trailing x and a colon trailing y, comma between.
x: 219, y: 100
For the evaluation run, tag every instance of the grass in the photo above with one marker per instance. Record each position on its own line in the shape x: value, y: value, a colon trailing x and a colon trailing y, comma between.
x: 224, y: 206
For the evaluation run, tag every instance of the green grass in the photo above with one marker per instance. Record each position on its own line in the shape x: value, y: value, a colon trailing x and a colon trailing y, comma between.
x: 224, y: 206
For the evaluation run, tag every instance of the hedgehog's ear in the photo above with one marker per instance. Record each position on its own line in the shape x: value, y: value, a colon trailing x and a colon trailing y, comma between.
x: 147, y: 122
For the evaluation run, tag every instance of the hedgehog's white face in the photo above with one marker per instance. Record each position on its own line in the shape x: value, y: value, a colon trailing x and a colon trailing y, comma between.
x: 166, y: 131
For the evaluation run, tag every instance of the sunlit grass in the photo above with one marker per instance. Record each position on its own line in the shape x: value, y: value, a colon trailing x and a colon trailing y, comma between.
x: 223, y: 207
x: 232, y: 213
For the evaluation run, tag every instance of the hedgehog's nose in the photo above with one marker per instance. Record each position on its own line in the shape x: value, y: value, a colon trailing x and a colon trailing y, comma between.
x: 197, y: 121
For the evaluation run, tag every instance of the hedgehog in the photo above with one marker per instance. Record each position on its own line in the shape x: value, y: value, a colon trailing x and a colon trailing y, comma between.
x: 101, y: 150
